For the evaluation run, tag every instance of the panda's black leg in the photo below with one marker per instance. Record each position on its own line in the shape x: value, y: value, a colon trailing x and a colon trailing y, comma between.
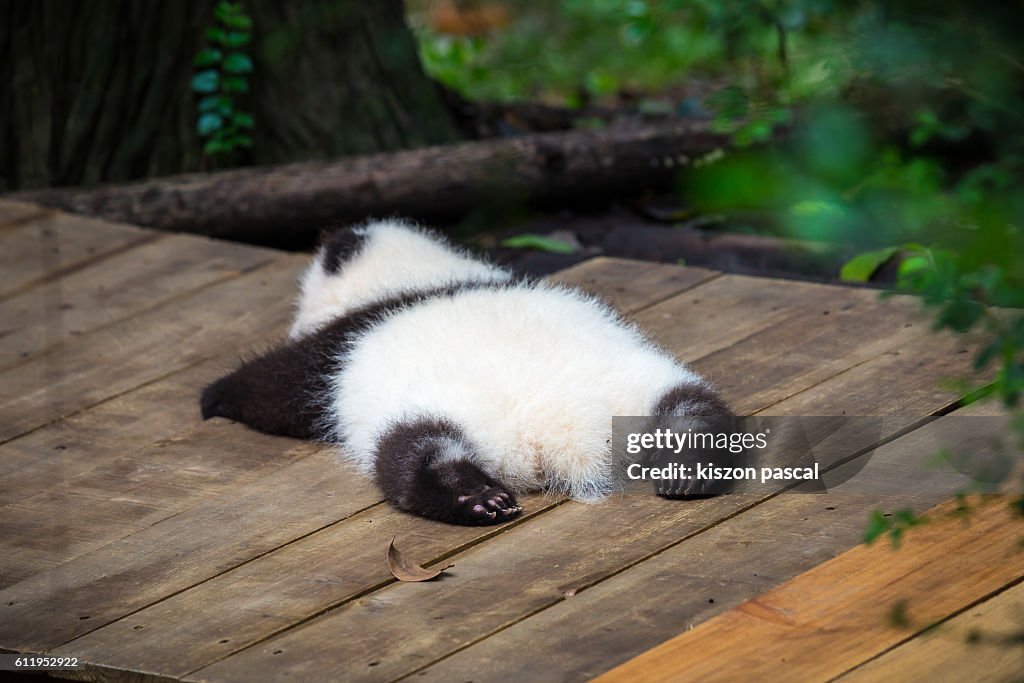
x: 280, y: 392
x: 424, y: 467
x: 704, y: 410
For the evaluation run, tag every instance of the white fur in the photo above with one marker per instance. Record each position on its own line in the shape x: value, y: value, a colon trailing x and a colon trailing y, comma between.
x: 395, y: 257
x: 531, y: 373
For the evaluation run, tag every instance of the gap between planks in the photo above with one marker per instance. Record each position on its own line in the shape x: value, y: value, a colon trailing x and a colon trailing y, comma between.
x: 989, y: 632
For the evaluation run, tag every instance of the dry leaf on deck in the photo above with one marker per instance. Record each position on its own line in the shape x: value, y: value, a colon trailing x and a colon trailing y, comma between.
x: 404, y: 570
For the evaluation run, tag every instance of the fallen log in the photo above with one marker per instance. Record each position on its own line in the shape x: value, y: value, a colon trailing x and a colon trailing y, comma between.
x: 292, y: 202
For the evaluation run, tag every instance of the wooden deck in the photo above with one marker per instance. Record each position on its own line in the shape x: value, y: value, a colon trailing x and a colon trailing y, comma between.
x: 155, y: 546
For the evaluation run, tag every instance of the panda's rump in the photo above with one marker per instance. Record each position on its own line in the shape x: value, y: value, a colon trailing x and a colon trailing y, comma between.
x: 531, y: 374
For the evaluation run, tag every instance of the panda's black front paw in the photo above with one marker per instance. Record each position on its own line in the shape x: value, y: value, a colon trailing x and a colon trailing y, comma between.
x: 493, y: 505
x: 682, y: 488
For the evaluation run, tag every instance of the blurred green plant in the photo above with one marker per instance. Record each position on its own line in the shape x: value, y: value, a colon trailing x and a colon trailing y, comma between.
x: 552, y: 245
x: 571, y: 51
x: 223, y: 65
x: 911, y: 151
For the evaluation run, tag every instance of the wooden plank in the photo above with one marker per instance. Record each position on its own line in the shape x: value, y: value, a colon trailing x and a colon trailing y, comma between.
x: 270, y: 594
x: 631, y: 286
x: 795, y: 303
x: 125, y: 284
x: 728, y: 309
x: 311, y: 492
x: 107, y: 475
x: 392, y: 633
x: 48, y: 458
x: 980, y: 645
x: 132, y: 352
x: 111, y: 473
x: 42, y: 459
x: 56, y: 243
x: 943, y: 567
x: 17, y: 213
x: 599, y: 628
x: 851, y: 327
x: 198, y: 600
x: 132, y: 492
x: 900, y: 381
x: 581, y: 637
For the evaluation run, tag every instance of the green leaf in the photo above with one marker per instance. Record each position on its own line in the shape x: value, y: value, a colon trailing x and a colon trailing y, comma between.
x: 912, y: 265
x: 241, y: 119
x: 234, y: 84
x: 224, y: 9
x: 236, y: 39
x: 216, y: 146
x: 238, y: 63
x: 539, y: 242
x: 239, y: 21
x: 231, y: 14
x: 206, y: 81
x: 861, y: 268
x: 216, y: 35
x: 236, y: 141
x: 877, y: 525
x: 986, y: 355
x: 960, y: 314
x: 209, y: 123
x: 207, y: 57
x: 221, y: 104
x: 729, y: 103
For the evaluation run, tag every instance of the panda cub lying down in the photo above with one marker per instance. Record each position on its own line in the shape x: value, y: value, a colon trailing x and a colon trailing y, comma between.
x: 452, y: 383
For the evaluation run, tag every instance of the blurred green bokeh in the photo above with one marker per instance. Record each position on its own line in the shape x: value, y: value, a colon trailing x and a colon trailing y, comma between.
x: 893, y: 127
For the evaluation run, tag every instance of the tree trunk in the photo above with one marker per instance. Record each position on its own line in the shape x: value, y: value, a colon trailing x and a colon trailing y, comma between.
x: 289, y: 204
x: 100, y: 90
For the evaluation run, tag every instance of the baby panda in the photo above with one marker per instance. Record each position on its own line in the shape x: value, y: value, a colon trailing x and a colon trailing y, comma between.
x: 454, y: 384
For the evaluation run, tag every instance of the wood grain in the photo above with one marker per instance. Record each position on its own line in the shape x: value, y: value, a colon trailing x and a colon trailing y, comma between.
x: 312, y: 491
x: 710, y: 572
x: 277, y: 591
x: 127, y: 283
x: 217, y: 553
x: 904, y: 380
x: 132, y: 352
x: 19, y: 213
x: 630, y: 286
x: 55, y: 244
x: 839, y: 614
x: 133, y: 492
x: 232, y: 602
x: 116, y: 428
x: 728, y: 309
x: 983, y: 644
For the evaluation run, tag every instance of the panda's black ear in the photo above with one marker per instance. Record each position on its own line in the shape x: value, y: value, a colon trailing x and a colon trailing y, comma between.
x: 339, y: 246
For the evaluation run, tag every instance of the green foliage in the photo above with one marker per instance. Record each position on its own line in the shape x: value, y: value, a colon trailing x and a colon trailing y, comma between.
x: 223, y: 69
x: 862, y: 267
x: 893, y: 525
x: 912, y: 137
x: 568, y: 51
x: 903, y: 125
x: 539, y: 242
